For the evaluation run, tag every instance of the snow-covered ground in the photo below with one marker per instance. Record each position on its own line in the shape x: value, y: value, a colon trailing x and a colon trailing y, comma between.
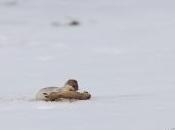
x: 123, y: 53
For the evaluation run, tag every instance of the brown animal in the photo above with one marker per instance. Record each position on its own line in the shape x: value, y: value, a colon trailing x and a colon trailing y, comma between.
x: 56, y: 96
x: 68, y: 91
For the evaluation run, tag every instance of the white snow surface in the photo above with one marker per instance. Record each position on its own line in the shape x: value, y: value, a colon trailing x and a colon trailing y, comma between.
x: 123, y: 53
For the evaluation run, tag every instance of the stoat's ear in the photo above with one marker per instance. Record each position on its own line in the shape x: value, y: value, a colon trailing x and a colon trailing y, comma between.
x: 73, y: 83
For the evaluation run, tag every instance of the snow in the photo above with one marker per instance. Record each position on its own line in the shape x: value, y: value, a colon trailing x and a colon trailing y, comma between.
x: 122, y: 52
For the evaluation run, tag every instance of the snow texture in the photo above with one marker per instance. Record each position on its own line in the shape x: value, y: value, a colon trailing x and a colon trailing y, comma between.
x: 121, y: 51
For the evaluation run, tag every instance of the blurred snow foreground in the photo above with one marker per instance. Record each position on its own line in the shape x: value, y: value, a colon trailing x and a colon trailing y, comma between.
x: 121, y: 51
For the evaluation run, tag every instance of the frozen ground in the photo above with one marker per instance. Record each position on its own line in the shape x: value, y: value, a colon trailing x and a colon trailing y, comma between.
x: 123, y: 52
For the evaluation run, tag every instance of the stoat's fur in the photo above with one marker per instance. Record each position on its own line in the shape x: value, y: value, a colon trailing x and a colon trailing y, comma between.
x: 46, y: 91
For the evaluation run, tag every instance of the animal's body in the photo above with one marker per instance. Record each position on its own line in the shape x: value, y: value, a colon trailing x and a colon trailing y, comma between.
x: 68, y: 91
x: 57, y: 96
x: 41, y: 95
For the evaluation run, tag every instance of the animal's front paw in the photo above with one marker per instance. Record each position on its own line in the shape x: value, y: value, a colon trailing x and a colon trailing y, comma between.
x: 48, y: 97
x: 87, y: 94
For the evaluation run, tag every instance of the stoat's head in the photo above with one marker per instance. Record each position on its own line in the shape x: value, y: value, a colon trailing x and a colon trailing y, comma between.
x: 72, y: 84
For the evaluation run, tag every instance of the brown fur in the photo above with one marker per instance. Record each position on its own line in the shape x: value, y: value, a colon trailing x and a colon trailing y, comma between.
x: 72, y: 83
x: 68, y: 95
